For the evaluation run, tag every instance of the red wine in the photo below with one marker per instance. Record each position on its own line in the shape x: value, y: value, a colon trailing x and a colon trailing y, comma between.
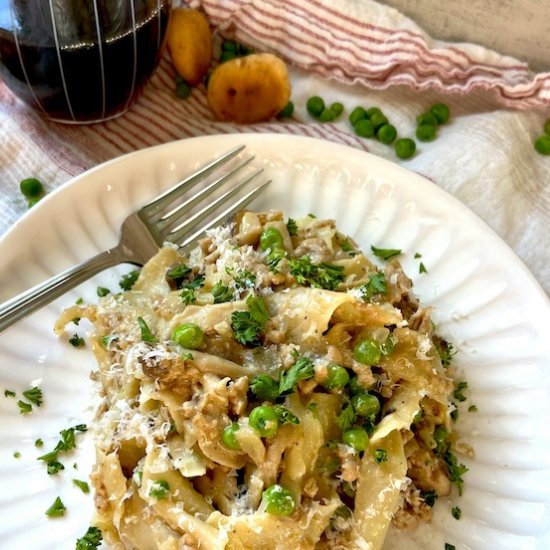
x: 91, y: 64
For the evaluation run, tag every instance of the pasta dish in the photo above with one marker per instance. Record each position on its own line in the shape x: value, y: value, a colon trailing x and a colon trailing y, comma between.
x: 274, y: 388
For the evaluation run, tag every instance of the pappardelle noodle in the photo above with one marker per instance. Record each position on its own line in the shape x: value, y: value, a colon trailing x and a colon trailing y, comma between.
x: 274, y: 388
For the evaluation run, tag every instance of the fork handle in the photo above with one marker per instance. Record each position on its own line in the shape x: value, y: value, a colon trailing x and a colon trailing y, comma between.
x: 22, y: 305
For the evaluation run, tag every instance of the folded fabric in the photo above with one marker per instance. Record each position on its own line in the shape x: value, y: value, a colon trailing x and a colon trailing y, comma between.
x: 375, y: 45
x: 358, y: 53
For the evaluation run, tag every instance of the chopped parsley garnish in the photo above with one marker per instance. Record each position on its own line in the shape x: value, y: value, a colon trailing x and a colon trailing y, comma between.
x: 102, y: 291
x: 38, y: 443
x: 380, y: 455
x: 454, y: 414
x: 292, y: 227
x: 92, y: 539
x: 303, y: 369
x: 245, y: 279
x: 385, y: 253
x: 460, y: 387
x: 449, y: 546
x: 57, y: 509
x: 324, y: 275
x: 422, y: 268
x: 285, y: 416
x: 65, y: 444
x: 189, y: 289
x: 76, y: 320
x: 456, y: 470
x: 265, y: 388
x: 9, y: 393
x: 375, y: 285
x: 82, y: 485
x: 472, y: 408
x: 34, y: 395
x: 16, y: 454
x: 445, y: 350
x: 430, y: 498
x: 79, y: 301
x: 24, y: 408
x: 247, y: 325
x: 54, y: 467
x: 160, y: 489
x: 346, y: 418
x: 129, y: 280
x: 417, y: 255
x: 76, y: 340
x: 178, y: 273
x: 146, y: 334
x: 345, y: 245
x: 222, y: 293
x: 456, y: 512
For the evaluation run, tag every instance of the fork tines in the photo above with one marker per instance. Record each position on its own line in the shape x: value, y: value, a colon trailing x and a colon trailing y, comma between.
x: 198, y: 210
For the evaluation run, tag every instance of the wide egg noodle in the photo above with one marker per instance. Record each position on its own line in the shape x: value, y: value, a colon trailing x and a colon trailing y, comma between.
x: 165, y: 407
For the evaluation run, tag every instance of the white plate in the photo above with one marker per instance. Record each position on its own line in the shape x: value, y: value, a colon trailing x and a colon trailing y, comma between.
x: 485, y: 300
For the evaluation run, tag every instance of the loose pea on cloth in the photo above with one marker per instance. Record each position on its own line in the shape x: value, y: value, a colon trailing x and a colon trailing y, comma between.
x: 358, y: 53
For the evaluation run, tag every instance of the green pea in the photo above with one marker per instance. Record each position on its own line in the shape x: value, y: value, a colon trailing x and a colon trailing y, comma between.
x: 315, y: 106
x: 279, y: 501
x: 405, y: 148
x: 364, y: 128
x: 229, y: 46
x: 357, y: 438
x: 188, y: 335
x: 378, y: 119
x: 426, y: 132
x: 227, y: 56
x: 264, y: 420
x: 355, y: 387
x: 367, y: 352
x: 542, y: 145
x: 359, y: 113
x: 287, y: 111
x: 426, y: 118
x: 547, y: 127
x: 365, y: 404
x: 328, y: 115
x: 337, y: 108
x: 183, y: 90
x: 31, y: 187
x: 337, y: 378
x: 32, y: 201
x: 441, y: 112
x: 271, y: 239
x: 386, y: 134
x: 374, y: 111
x: 244, y: 50
x: 229, y: 438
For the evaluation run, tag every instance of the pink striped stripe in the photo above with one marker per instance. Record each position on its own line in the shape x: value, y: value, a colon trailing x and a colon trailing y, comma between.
x: 502, y: 79
x: 314, y: 63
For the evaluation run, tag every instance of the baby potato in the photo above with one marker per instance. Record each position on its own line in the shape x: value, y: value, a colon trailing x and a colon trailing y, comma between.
x: 249, y: 89
x: 189, y: 42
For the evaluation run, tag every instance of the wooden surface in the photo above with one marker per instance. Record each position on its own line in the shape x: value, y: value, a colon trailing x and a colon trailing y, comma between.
x: 520, y: 28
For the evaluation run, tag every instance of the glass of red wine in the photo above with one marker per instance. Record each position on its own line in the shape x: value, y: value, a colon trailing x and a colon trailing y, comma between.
x: 80, y: 61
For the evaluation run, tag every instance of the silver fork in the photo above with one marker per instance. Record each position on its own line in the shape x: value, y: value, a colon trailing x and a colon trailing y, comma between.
x: 143, y: 232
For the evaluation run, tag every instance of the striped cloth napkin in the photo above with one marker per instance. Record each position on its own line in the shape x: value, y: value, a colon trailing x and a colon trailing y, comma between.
x: 359, y: 53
